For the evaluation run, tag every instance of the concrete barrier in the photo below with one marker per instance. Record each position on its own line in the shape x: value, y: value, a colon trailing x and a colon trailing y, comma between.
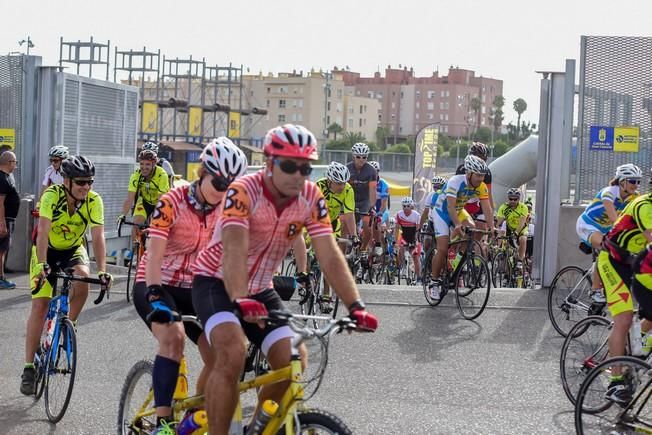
x: 569, y: 253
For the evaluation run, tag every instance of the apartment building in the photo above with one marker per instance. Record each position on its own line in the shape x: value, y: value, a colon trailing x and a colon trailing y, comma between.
x: 408, y: 103
x: 314, y: 99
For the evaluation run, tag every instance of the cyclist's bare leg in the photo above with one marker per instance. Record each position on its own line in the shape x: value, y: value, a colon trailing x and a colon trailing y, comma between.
x: 278, y: 357
x: 342, y: 243
x: 366, y: 232
x: 596, y: 242
x: 229, y: 351
x: 522, y: 244
x: 439, y: 259
x: 79, y: 292
x: 417, y: 263
x: 35, y: 322
x: 618, y: 336
x: 208, y: 358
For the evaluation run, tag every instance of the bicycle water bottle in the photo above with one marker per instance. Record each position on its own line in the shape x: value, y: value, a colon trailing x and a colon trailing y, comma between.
x: 635, y: 341
x: 181, y: 390
x: 263, y: 417
x: 49, y: 334
x: 192, y: 422
x: 456, y: 260
x: 451, y: 257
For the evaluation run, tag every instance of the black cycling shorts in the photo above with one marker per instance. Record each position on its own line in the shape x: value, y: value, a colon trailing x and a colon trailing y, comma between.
x: 210, y: 298
x: 178, y: 299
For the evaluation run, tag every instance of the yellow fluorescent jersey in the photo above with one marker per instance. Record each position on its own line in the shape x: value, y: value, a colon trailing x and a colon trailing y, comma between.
x: 337, y: 203
x: 67, y: 230
x: 150, y: 190
x: 513, y: 215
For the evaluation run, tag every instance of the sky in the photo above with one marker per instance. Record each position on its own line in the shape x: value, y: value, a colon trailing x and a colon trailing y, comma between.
x: 503, y: 39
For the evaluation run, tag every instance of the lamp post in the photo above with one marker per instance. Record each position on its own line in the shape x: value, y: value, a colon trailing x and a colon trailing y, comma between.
x: 27, y: 41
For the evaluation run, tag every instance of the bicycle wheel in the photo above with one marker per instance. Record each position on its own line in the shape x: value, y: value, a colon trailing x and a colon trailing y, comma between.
x: 39, y: 366
x: 316, y: 421
x: 569, y: 299
x: 61, y: 370
x: 472, y: 286
x: 136, y: 397
x: 584, y: 348
x: 610, y: 417
x: 500, y: 270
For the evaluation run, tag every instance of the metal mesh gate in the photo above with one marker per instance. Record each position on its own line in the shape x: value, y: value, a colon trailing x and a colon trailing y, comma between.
x: 615, y: 90
x: 11, y: 100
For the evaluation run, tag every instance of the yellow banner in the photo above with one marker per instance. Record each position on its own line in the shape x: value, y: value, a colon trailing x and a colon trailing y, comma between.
x: 149, y: 115
x: 195, y: 115
x: 191, y: 170
x: 626, y: 139
x: 234, y: 125
x: 8, y: 137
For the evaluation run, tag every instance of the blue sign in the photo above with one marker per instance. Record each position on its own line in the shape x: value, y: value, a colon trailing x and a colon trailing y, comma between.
x: 601, y: 138
x: 193, y: 156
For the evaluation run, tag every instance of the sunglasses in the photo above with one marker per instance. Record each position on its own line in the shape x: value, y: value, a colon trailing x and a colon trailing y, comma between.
x: 361, y: 157
x: 407, y: 206
x: 83, y: 182
x: 289, y: 167
x: 220, y: 183
x: 55, y: 160
x: 634, y: 181
x: 513, y: 199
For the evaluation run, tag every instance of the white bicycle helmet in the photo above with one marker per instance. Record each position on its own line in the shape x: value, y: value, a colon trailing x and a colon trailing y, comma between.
x: 407, y: 201
x: 152, y: 146
x: 513, y: 191
x: 60, y: 151
x: 222, y: 158
x: 475, y: 164
x: 392, y: 221
x: 375, y: 165
x: 628, y: 170
x: 338, y: 173
x: 360, y: 149
x: 438, y: 180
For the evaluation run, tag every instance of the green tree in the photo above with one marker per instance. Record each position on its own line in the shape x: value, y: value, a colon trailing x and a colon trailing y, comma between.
x: 402, y: 148
x: 483, y: 134
x: 520, y: 106
x: 381, y: 135
x: 476, y: 105
x: 352, y: 138
x: 334, y: 129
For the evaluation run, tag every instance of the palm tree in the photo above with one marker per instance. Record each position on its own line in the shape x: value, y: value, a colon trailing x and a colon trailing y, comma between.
x: 476, y: 105
x: 334, y: 128
x: 353, y: 138
x: 520, y: 106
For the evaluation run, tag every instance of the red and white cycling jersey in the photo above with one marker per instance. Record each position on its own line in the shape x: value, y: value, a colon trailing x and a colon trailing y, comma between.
x: 409, y: 225
x: 187, y: 232
x: 248, y: 204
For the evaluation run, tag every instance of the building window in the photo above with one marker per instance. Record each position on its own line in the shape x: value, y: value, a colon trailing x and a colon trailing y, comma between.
x: 393, y: 116
x: 299, y: 117
x: 393, y: 105
x: 328, y: 105
x: 401, y: 94
x: 350, y: 123
x: 281, y: 104
x: 418, y: 104
x: 350, y: 109
x: 267, y: 103
x: 360, y: 110
x: 379, y: 95
x: 442, y: 94
x: 484, y: 108
x: 380, y: 117
x: 431, y: 106
x: 370, y: 94
x: 339, y: 93
x: 446, y: 117
x: 293, y: 117
x: 431, y: 116
x: 441, y: 116
x: 281, y: 118
x: 269, y: 90
x: 431, y: 95
x: 448, y: 94
x: 416, y: 116
x: 339, y: 107
x: 282, y: 90
x: 360, y: 122
x: 418, y: 94
x: 328, y: 120
x: 300, y: 103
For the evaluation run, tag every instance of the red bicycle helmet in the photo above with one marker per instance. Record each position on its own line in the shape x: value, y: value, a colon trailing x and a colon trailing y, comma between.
x: 291, y: 140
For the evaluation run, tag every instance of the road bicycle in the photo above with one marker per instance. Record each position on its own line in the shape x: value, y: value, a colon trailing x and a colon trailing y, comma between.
x: 470, y: 277
x: 136, y: 414
x: 137, y: 252
x: 595, y: 413
x: 570, y: 296
x: 407, y: 271
x: 55, y: 362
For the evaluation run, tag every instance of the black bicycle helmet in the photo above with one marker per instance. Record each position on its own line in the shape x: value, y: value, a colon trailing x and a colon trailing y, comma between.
x: 77, y: 167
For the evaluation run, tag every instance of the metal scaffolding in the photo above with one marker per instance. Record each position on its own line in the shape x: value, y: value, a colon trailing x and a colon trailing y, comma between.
x: 85, y: 53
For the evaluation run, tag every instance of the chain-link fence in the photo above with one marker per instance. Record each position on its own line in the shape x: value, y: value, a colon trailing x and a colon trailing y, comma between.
x: 11, y: 101
x: 392, y: 162
x: 615, y: 90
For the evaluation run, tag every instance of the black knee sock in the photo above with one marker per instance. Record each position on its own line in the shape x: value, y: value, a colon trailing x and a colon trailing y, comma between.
x: 164, y: 378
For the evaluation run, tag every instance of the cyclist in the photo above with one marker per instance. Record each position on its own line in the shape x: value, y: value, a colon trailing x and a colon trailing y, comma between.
x: 57, y: 154
x: 66, y: 212
x: 515, y: 214
x: 438, y: 183
x: 480, y: 150
x: 262, y: 213
x: 182, y: 225
x: 162, y: 162
x: 631, y: 232
x: 449, y: 212
x: 602, y: 212
x: 340, y: 201
x: 381, y: 209
x: 407, y: 225
x: 146, y: 185
x: 363, y: 179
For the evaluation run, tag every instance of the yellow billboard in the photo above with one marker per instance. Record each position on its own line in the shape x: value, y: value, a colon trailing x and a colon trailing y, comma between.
x: 234, y: 125
x: 195, y: 115
x: 191, y: 170
x: 8, y: 137
x: 149, y: 118
x: 626, y: 139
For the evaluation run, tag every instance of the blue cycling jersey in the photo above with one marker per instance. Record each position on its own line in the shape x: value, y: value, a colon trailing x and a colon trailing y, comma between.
x: 382, y: 192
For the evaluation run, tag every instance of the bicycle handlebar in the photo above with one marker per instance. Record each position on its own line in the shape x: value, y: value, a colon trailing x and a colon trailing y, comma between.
x: 68, y: 275
x: 124, y: 221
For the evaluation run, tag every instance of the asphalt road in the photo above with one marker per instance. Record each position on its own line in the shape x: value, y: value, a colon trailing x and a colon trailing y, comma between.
x: 425, y: 371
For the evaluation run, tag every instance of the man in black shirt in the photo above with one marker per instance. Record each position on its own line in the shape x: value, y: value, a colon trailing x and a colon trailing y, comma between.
x: 9, y: 203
